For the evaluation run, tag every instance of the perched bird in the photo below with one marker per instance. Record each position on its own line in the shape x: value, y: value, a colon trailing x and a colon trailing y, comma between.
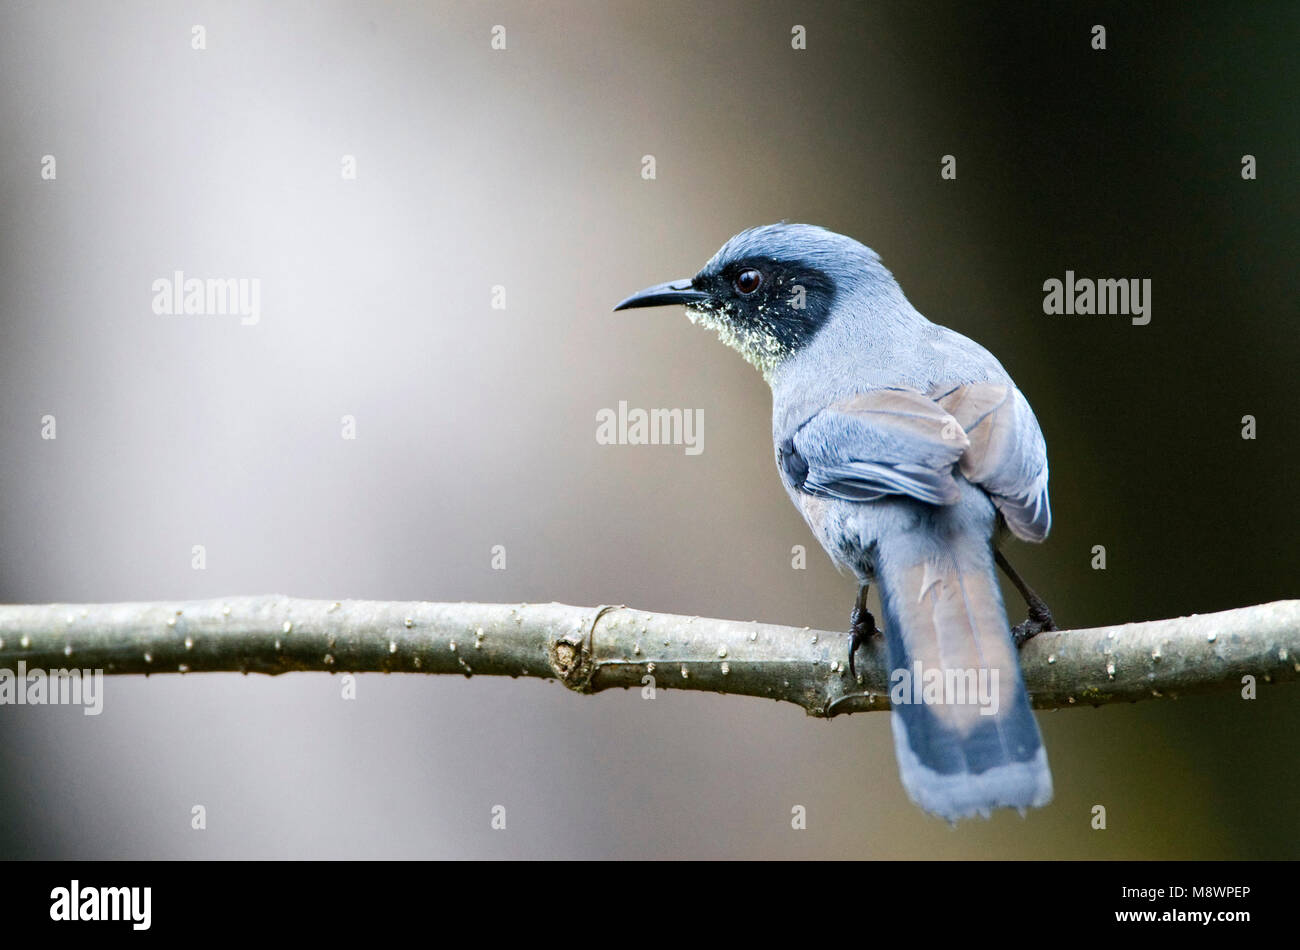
x: 910, y: 453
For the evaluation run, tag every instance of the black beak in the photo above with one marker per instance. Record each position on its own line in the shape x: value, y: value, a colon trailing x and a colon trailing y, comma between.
x: 662, y: 295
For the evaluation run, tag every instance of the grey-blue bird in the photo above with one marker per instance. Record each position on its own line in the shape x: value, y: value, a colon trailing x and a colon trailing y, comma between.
x: 911, y: 454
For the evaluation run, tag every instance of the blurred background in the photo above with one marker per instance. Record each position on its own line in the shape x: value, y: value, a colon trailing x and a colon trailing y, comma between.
x: 522, y: 168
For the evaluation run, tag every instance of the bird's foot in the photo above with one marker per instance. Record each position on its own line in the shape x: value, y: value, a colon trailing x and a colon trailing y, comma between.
x: 1040, y: 619
x: 862, y: 628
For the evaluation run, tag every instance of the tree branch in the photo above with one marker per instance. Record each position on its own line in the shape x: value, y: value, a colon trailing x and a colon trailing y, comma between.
x: 593, y: 649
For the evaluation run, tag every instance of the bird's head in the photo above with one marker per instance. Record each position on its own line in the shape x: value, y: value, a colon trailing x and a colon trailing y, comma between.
x: 769, y: 290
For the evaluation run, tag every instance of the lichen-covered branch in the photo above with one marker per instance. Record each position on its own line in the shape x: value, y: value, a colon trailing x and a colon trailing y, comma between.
x: 592, y: 649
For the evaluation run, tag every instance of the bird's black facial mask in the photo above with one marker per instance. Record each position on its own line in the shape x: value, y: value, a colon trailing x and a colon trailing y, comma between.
x: 766, y: 310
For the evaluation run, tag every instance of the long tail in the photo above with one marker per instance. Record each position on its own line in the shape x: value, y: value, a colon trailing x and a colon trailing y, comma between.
x: 964, y: 731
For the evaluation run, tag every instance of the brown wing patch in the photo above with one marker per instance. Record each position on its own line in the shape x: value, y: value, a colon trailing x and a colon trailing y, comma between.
x: 999, y: 458
x: 907, y: 411
x: 983, y: 410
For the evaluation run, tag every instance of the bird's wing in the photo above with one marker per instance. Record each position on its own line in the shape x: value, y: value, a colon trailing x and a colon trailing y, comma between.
x: 1007, y: 455
x: 902, y: 442
x: 880, y: 442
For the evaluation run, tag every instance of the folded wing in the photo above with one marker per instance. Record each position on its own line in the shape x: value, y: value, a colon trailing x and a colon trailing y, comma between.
x: 1007, y: 455
x: 902, y: 442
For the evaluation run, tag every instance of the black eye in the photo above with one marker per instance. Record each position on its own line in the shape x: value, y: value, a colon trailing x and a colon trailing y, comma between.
x: 748, y: 281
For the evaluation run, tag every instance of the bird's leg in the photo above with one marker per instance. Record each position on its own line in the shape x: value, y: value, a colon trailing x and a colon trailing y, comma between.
x: 862, y: 626
x: 1040, y: 615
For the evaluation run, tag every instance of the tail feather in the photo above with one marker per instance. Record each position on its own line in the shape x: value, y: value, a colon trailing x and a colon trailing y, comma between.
x: 964, y: 731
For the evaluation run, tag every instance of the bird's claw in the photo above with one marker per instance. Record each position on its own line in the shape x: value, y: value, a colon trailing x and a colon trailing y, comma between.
x: 1039, y: 620
x: 862, y: 628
